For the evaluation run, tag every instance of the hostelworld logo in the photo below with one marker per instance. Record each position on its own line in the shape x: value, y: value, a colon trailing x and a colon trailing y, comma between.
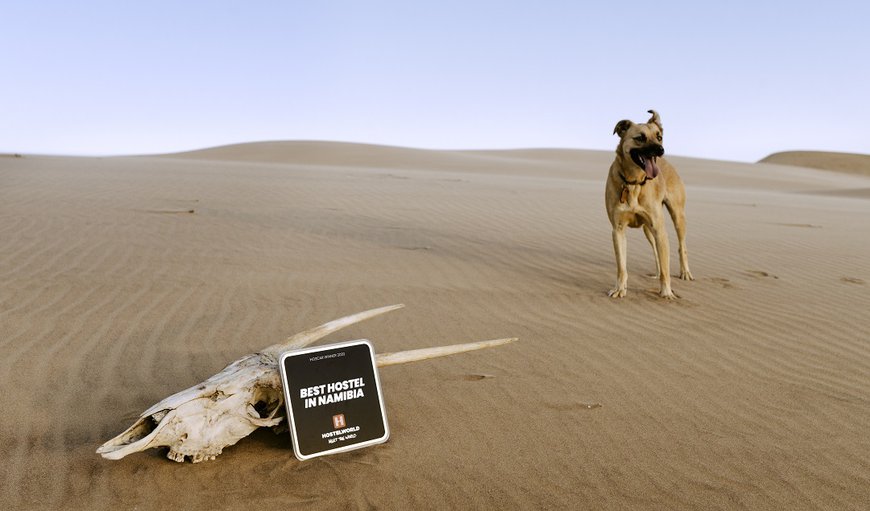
x: 338, y: 421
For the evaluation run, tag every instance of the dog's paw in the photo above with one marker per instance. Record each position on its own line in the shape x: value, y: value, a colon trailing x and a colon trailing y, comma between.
x: 686, y: 275
x: 667, y: 294
x: 616, y: 293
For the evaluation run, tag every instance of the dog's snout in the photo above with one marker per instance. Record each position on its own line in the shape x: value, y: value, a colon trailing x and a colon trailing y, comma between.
x: 658, y: 150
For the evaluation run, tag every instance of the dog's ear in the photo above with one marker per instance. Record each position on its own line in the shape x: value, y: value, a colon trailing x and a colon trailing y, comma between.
x: 655, y: 119
x: 622, y: 126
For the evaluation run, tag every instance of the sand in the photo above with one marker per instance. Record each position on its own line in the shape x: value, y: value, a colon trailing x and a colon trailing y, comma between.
x: 126, y: 279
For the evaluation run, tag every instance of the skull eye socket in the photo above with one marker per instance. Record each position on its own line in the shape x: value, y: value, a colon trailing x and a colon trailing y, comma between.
x: 267, y: 403
x: 264, y: 409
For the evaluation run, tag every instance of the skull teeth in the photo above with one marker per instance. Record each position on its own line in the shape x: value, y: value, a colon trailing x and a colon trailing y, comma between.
x: 194, y: 458
x: 199, y: 457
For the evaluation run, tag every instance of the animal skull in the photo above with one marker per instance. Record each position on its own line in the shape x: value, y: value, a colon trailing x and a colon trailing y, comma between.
x: 201, y: 421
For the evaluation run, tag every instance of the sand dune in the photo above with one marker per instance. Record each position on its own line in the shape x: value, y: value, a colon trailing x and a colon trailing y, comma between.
x: 341, y: 154
x: 126, y: 279
x: 840, y: 162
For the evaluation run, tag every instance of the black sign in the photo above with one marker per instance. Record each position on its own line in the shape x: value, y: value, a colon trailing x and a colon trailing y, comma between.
x: 333, y: 397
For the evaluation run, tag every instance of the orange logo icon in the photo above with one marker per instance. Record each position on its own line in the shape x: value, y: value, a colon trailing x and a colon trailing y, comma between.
x: 338, y: 421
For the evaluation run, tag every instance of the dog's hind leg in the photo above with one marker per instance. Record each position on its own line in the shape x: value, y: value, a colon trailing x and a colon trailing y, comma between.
x: 660, y: 233
x: 619, y: 248
x: 652, y: 242
x: 678, y: 216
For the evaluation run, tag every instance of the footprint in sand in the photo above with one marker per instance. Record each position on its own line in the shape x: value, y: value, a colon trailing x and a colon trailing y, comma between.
x: 476, y: 377
x: 725, y: 283
x: 852, y: 280
x: 172, y: 211
x: 808, y: 226
x: 564, y: 407
x: 760, y: 274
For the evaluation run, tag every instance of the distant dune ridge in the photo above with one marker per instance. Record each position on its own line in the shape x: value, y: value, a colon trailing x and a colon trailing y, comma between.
x: 313, y: 152
x: 127, y: 279
x: 381, y: 156
x: 840, y: 162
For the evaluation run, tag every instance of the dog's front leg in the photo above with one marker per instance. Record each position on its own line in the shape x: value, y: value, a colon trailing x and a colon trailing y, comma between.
x: 619, y: 247
x: 680, y: 226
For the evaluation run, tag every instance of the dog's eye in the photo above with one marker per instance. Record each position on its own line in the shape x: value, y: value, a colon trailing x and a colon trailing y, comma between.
x: 659, y: 136
x: 640, y: 138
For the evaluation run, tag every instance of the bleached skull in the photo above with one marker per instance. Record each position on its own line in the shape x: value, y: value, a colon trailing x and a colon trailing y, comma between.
x: 201, y: 421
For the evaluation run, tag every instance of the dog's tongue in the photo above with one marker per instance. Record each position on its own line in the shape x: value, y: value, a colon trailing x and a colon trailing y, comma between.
x: 652, y: 170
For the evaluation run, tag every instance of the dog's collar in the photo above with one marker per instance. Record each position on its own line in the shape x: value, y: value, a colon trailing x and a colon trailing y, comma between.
x: 623, y: 196
x: 626, y: 181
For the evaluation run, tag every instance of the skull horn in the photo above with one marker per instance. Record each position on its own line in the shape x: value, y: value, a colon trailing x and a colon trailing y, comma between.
x: 307, y: 337
x: 402, y: 357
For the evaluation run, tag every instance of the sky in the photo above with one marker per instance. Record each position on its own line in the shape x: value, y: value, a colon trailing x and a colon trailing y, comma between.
x: 733, y: 80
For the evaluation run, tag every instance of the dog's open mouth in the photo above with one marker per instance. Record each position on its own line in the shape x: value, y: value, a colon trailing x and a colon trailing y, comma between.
x: 647, y: 162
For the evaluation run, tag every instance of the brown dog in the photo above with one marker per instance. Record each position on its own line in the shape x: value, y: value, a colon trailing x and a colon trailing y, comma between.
x: 639, y: 183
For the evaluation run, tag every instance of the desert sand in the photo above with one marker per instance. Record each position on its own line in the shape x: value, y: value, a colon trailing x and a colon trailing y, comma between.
x: 126, y: 279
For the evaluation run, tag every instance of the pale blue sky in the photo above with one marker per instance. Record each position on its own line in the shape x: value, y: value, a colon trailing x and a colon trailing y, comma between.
x: 733, y: 80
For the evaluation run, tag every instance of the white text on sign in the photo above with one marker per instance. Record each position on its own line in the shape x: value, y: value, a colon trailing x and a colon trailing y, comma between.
x: 332, y: 392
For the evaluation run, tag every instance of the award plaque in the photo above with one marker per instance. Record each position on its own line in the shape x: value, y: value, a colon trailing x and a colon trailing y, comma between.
x: 333, y: 398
